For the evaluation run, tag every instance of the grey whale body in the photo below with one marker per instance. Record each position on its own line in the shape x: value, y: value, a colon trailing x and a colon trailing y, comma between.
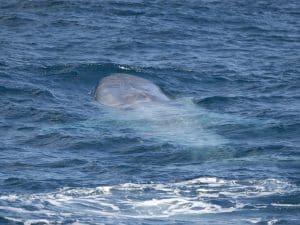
x: 141, y: 106
x: 124, y: 90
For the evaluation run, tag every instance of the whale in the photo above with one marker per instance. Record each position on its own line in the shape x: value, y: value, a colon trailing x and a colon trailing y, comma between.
x: 137, y: 105
x: 125, y: 90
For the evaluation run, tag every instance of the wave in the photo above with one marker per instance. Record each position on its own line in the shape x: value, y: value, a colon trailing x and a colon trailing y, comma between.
x: 199, y: 196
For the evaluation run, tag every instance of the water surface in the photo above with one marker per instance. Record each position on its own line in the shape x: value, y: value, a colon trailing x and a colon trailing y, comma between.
x: 226, y: 151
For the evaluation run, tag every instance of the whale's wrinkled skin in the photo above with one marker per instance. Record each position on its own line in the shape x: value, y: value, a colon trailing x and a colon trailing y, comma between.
x: 124, y: 90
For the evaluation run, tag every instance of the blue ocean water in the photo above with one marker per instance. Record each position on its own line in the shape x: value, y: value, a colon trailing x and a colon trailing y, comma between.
x: 226, y: 152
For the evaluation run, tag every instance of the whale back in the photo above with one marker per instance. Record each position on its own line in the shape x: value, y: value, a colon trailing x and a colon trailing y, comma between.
x: 123, y: 90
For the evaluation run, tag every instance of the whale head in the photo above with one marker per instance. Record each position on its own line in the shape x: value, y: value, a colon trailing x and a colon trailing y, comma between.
x: 124, y: 90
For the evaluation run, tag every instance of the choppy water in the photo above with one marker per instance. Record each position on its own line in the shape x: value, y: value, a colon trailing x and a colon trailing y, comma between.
x: 225, y: 152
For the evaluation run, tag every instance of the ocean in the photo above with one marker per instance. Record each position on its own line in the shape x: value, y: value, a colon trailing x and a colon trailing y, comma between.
x: 226, y: 151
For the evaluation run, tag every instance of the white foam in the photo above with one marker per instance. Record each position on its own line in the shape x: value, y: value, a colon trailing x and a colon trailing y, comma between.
x: 271, y: 222
x: 10, y: 197
x: 285, y: 205
x: 259, y: 220
x: 29, y: 222
x: 253, y: 220
x: 13, y: 219
x: 14, y: 209
x: 153, y: 200
x: 124, y: 67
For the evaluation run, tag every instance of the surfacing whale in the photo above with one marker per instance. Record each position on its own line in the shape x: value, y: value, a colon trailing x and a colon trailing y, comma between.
x: 151, y: 114
x: 124, y: 90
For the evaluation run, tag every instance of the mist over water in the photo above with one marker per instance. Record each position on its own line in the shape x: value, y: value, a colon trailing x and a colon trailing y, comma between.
x: 224, y: 150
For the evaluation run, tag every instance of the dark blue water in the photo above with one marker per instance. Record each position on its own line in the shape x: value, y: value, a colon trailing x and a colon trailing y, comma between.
x: 227, y: 151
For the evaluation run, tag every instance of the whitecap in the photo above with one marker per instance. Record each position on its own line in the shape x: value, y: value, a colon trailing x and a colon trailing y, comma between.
x: 203, y: 195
